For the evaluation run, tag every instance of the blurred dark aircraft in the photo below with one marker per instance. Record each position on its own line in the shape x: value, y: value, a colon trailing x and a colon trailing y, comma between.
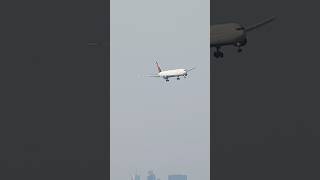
x: 231, y: 34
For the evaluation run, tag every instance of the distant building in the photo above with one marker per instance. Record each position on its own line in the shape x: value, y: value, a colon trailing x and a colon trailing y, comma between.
x: 151, y: 176
x: 135, y: 177
x: 177, y: 177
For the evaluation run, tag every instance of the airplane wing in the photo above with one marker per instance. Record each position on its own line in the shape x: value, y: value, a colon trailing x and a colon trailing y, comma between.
x: 154, y: 75
x: 190, y: 69
x: 250, y: 28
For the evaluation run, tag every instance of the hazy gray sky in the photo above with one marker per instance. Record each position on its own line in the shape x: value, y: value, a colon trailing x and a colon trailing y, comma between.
x: 157, y: 125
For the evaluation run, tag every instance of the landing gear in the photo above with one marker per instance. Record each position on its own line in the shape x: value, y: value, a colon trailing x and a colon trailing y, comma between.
x: 238, y: 44
x: 167, y: 80
x: 218, y: 53
x: 185, y: 76
x: 178, y: 78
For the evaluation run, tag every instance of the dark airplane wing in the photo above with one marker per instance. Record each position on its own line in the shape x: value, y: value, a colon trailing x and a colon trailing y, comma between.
x: 250, y: 28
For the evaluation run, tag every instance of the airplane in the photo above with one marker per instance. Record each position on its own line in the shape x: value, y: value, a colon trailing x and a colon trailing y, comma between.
x: 231, y: 34
x: 171, y: 73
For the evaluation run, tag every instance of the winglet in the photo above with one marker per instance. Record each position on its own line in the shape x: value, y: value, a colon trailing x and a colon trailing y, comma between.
x: 159, y: 69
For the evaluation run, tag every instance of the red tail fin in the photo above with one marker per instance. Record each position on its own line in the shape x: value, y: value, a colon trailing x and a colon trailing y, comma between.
x: 159, y: 69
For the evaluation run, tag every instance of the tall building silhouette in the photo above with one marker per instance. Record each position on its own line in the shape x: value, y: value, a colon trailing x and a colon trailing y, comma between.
x: 177, y: 177
x: 151, y: 176
x: 135, y: 177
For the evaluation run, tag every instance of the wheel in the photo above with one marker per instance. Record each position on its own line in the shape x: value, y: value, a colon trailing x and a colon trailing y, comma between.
x: 178, y: 78
x: 167, y: 80
x: 220, y: 54
x: 239, y: 50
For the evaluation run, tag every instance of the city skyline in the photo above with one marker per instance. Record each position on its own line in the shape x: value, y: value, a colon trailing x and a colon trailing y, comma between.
x: 149, y: 175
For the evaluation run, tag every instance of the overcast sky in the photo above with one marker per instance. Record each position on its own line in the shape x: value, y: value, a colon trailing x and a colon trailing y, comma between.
x: 158, y: 125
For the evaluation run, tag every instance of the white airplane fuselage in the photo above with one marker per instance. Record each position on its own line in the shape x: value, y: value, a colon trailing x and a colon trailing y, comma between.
x: 172, y: 73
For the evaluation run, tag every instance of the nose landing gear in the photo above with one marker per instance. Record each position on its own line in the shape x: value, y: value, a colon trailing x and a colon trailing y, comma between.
x: 239, y: 44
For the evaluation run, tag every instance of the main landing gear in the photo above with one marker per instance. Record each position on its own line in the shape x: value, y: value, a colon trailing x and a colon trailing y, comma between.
x: 178, y: 78
x: 218, y: 53
x: 167, y: 80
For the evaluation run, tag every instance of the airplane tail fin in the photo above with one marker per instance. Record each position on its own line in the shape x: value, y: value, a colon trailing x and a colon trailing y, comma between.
x: 250, y: 28
x: 158, y: 67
